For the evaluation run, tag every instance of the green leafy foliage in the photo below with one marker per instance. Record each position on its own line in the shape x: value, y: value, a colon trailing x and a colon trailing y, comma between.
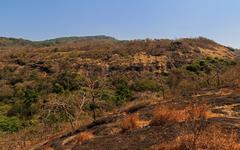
x: 146, y: 85
x: 30, y: 97
x: 108, y: 95
x: 10, y: 124
x: 68, y: 81
x: 208, y: 64
x: 57, y: 88
x: 123, y: 91
x: 25, y: 108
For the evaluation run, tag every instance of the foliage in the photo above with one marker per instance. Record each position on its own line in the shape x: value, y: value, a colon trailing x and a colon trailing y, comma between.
x: 208, y: 64
x: 108, y: 95
x: 6, y: 92
x: 12, y: 124
x: 30, y: 72
x: 30, y: 97
x: 69, y: 81
x: 146, y: 85
x: 57, y: 88
x: 123, y: 91
x: 130, y: 122
x: 25, y: 108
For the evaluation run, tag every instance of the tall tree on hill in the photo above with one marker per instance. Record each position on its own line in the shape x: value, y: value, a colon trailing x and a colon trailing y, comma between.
x: 95, y: 82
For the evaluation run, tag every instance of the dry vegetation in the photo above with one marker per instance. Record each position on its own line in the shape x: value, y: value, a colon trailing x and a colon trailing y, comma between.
x: 211, y: 138
x: 165, y: 115
x: 198, y: 134
x: 84, y: 136
x: 130, y: 122
x: 56, y: 86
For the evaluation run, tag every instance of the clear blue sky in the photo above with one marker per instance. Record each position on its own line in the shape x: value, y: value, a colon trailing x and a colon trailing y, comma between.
x: 123, y: 19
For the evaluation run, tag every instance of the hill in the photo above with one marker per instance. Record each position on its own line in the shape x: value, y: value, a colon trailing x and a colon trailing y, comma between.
x: 54, y: 91
x: 107, y: 53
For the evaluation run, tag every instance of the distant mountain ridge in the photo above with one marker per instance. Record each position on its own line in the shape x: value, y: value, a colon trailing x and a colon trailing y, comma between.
x: 101, y: 46
x: 76, y: 38
x: 9, y: 41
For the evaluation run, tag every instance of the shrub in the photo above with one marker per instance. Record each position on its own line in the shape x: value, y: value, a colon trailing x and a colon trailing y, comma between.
x: 6, y: 92
x: 52, y: 119
x: 197, y: 112
x: 165, y: 115
x: 15, y: 110
x: 123, y: 91
x: 146, y: 85
x: 30, y: 97
x: 208, y: 64
x: 84, y: 136
x: 109, y: 95
x: 57, y: 88
x: 70, y: 81
x: 193, y: 113
x: 10, y: 124
x: 26, y: 108
x: 211, y: 138
x: 193, y: 67
x: 130, y: 122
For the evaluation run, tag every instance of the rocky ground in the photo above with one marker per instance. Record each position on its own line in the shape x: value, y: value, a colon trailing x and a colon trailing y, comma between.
x: 225, y: 112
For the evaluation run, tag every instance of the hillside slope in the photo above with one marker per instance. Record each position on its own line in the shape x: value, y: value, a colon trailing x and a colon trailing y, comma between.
x: 107, y: 91
x: 108, y: 54
x: 109, y: 133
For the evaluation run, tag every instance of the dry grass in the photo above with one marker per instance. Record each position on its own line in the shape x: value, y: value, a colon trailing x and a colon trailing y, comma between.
x: 84, y: 136
x: 197, y: 112
x: 130, y: 122
x: 198, y: 134
x: 30, y: 137
x: 212, y: 138
x: 165, y: 115
x: 78, y: 139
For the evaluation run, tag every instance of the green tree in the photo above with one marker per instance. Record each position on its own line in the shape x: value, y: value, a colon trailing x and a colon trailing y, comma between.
x: 123, y: 91
x: 10, y: 124
x: 69, y: 81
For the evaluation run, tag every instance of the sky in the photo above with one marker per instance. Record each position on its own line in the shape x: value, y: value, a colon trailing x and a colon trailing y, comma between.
x: 123, y: 19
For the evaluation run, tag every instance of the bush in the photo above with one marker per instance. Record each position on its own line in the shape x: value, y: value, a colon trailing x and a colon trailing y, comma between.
x: 210, y: 138
x: 69, y: 81
x: 123, y: 91
x: 146, y: 85
x: 57, y: 88
x: 10, y: 124
x: 193, y: 67
x: 164, y: 115
x: 30, y: 97
x: 15, y: 110
x: 109, y: 95
x: 130, y: 122
x: 6, y: 92
x: 52, y: 119
x: 26, y: 107
x: 208, y: 64
x: 84, y: 136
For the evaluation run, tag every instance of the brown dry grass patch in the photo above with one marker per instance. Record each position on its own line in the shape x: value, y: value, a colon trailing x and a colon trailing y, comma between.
x: 211, y: 138
x: 131, y: 122
x: 166, y: 115
x: 197, y: 112
x: 85, y: 136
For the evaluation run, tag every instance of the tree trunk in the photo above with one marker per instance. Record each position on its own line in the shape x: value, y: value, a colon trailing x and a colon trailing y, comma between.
x: 94, y: 108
